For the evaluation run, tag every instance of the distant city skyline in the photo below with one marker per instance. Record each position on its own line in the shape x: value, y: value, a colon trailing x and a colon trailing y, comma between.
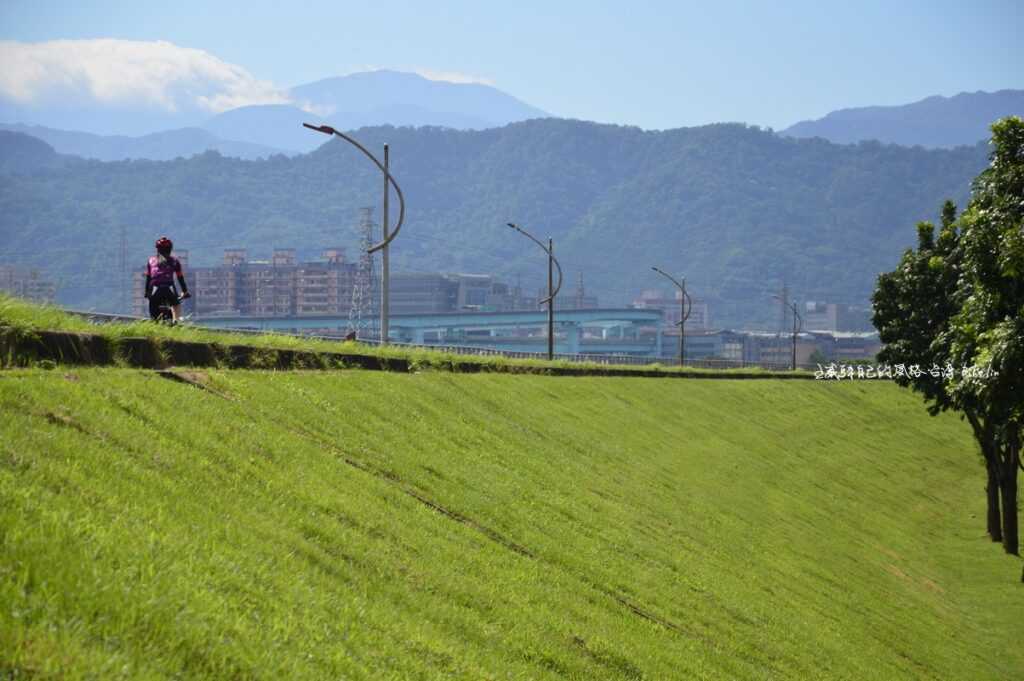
x: 659, y: 65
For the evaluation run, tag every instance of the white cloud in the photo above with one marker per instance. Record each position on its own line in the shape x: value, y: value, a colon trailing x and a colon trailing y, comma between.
x: 113, y: 72
x: 452, y: 76
x: 429, y: 74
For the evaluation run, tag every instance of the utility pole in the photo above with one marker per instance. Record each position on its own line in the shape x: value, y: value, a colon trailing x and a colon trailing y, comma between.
x: 796, y: 330
x: 784, y: 299
x: 551, y: 300
x: 385, y: 269
x: 685, y: 307
x: 389, y: 235
x: 125, y: 282
x: 684, y: 314
x: 552, y: 290
x: 798, y: 322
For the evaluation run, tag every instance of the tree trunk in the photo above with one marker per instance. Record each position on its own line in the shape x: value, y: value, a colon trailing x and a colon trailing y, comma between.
x: 992, y: 492
x: 1008, y: 487
x: 990, y: 452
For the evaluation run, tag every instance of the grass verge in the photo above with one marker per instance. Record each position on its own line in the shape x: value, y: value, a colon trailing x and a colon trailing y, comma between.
x: 20, y: 320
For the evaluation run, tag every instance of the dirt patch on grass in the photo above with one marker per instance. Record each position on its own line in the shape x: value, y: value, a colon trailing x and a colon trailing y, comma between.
x: 650, y: 616
x: 458, y: 517
x: 609, y: 659
x: 395, y: 479
x: 196, y: 379
x: 65, y: 421
x: 893, y: 570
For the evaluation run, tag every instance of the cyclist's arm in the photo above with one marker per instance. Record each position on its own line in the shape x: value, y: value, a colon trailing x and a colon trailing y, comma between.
x: 181, y: 280
x: 145, y: 292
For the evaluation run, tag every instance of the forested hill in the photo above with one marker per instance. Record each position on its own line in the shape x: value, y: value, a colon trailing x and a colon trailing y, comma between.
x: 735, y: 209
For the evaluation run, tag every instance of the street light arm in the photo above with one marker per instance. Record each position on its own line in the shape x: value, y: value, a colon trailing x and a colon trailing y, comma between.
x: 686, y: 295
x: 669, y: 276
x: 559, y: 287
x: 545, y: 249
x: 328, y: 130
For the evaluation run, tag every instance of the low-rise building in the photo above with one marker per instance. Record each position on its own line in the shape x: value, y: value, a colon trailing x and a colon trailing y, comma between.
x: 771, y: 348
x: 422, y: 293
x: 671, y: 307
x: 27, y: 282
x: 818, y: 316
x: 434, y: 292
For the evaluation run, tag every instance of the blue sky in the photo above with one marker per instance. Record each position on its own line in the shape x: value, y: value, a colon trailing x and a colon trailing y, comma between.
x: 652, y: 64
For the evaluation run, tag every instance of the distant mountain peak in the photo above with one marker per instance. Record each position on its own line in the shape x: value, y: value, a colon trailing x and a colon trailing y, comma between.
x: 933, y: 122
x: 372, y: 98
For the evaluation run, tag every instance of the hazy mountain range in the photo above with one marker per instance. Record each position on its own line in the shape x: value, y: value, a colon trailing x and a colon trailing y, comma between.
x: 406, y: 99
x: 20, y: 153
x: 737, y: 210
x: 347, y: 103
x: 158, y: 146
x: 935, y: 122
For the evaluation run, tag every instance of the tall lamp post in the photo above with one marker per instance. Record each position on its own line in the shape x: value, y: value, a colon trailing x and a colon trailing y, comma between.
x: 685, y: 307
x: 552, y: 291
x: 388, y: 235
x: 797, y: 328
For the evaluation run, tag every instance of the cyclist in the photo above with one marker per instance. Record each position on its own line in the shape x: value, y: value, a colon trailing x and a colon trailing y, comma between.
x: 161, y: 270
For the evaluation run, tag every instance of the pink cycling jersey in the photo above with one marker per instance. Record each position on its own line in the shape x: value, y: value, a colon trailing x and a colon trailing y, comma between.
x: 162, y: 273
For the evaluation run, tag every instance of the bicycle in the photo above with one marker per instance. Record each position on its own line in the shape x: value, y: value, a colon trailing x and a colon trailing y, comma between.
x: 165, y: 310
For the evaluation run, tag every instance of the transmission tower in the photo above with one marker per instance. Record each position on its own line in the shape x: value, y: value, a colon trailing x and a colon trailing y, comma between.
x: 580, y: 293
x: 362, y: 315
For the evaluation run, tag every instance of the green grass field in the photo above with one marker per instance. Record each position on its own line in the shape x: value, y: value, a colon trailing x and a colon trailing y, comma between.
x: 367, y: 525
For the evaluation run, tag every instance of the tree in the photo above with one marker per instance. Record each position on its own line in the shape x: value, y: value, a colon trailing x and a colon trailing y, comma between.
x: 914, y: 306
x: 988, y: 332
x: 958, y: 300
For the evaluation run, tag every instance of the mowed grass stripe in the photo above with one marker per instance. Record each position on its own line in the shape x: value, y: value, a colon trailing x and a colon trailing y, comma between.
x: 697, y: 529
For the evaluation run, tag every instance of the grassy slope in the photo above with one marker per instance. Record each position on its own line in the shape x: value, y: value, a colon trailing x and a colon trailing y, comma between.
x: 779, y: 530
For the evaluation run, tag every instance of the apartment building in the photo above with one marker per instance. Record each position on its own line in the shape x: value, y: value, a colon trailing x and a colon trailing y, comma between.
x: 278, y: 287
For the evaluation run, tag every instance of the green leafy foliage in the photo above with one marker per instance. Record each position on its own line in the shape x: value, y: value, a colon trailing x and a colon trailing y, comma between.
x: 913, y: 306
x: 960, y: 301
x: 990, y: 327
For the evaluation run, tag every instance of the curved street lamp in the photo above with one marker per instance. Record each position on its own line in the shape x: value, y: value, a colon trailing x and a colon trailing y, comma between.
x: 552, y: 292
x: 685, y: 307
x: 388, y: 235
x: 796, y: 329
